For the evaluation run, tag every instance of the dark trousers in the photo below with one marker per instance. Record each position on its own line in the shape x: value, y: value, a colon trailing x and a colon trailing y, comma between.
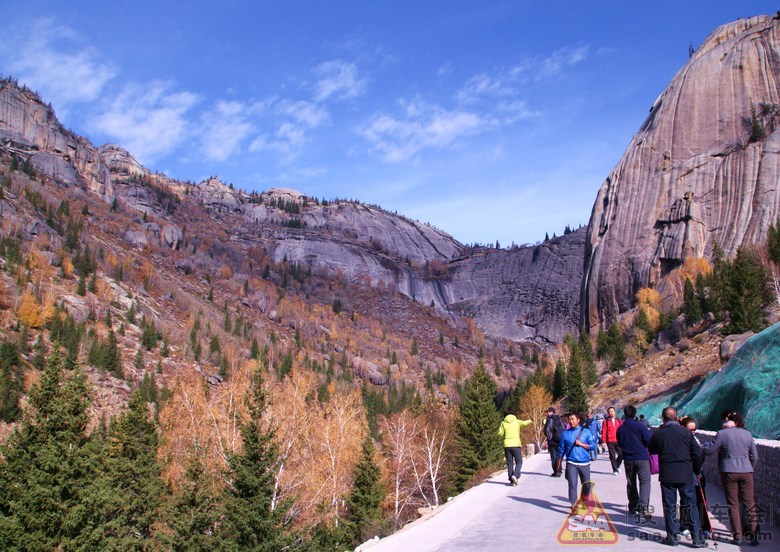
x: 700, y: 487
x: 615, y: 455
x: 514, y: 461
x: 638, y: 471
x: 688, y: 513
x: 738, y: 488
x: 577, y: 474
x: 552, y: 448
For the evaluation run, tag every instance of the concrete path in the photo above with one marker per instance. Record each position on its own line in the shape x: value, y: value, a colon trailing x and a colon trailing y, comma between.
x: 496, y: 517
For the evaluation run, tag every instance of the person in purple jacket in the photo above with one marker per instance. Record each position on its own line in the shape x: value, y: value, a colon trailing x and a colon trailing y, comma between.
x: 633, y: 438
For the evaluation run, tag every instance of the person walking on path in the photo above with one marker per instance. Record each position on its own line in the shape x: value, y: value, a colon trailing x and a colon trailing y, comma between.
x: 609, y: 438
x: 575, y: 446
x: 633, y: 438
x: 737, y: 457
x: 679, y: 458
x: 553, y: 430
x: 510, y: 431
x: 701, y: 487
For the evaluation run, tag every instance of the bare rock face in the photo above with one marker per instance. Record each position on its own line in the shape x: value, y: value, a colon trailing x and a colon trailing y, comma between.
x: 217, y: 197
x: 120, y: 161
x: 702, y: 169
x: 29, y: 128
x: 527, y: 293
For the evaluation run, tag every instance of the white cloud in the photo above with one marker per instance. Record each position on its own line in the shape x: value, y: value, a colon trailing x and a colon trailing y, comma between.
x: 303, y: 112
x: 63, y: 74
x: 481, y: 86
x: 149, y: 121
x: 293, y: 121
x: 445, y: 69
x: 224, y: 129
x: 565, y: 57
x: 423, y: 128
x: 338, y: 79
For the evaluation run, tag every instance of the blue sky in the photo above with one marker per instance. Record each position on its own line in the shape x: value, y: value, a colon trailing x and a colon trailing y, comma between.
x: 492, y: 120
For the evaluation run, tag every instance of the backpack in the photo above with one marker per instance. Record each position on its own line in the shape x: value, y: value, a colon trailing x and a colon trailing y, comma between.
x: 556, y: 431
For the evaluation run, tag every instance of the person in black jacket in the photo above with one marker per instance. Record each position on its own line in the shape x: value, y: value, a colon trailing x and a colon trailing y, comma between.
x: 553, y: 429
x: 679, y: 458
x: 633, y: 438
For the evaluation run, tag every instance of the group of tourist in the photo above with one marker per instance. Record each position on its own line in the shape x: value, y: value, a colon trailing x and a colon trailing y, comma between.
x: 672, y: 451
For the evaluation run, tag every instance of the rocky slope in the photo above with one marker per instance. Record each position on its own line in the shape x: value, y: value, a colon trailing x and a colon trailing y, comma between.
x: 527, y: 293
x: 702, y: 169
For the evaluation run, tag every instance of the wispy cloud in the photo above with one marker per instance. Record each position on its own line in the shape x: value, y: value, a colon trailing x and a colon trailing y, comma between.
x: 422, y: 127
x: 481, y: 86
x: 551, y: 65
x: 224, y: 129
x: 150, y: 121
x: 565, y: 57
x: 445, y: 69
x: 339, y: 80
x: 292, y: 122
x: 50, y: 59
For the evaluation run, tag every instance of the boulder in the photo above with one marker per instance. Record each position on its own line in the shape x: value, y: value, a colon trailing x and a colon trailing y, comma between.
x: 172, y: 235
x: 136, y: 238
x: 731, y: 343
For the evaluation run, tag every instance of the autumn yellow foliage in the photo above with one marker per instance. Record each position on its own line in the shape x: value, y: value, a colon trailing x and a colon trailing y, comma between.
x: 30, y: 312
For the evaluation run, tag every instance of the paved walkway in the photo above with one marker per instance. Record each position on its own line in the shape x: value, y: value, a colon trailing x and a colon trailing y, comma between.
x: 496, y: 517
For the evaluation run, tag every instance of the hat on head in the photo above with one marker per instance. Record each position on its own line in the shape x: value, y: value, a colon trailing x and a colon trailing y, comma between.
x: 551, y: 409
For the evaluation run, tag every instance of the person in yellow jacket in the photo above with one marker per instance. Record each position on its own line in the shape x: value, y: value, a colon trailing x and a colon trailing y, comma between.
x: 510, y: 431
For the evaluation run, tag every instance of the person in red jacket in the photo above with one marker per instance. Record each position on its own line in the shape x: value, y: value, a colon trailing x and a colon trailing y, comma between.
x: 609, y: 438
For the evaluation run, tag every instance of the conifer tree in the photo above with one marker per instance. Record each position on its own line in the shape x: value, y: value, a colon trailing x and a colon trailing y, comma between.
x: 10, y: 383
x: 123, y: 500
x: 773, y: 242
x: 364, y: 503
x: 559, y: 380
x: 46, y: 464
x: 477, y: 425
x: 691, y: 303
x: 616, y: 347
x: 192, y: 514
x: 745, y: 293
x: 576, y: 390
x: 252, y: 519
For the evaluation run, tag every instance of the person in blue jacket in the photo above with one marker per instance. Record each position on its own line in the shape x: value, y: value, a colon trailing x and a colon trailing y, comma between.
x: 575, y: 446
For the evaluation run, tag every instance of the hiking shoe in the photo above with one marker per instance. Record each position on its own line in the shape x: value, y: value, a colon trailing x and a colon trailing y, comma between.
x: 514, y: 481
x: 616, y: 472
x: 686, y: 534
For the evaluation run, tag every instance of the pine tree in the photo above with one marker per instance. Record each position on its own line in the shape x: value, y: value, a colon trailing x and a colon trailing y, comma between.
x: 192, y: 515
x: 773, y: 242
x: 616, y: 347
x: 123, y: 500
x: 559, y: 380
x: 477, y: 425
x: 252, y: 519
x: 11, y: 380
x: 691, y: 303
x: 46, y: 464
x: 745, y: 292
x: 364, y: 503
x: 576, y: 390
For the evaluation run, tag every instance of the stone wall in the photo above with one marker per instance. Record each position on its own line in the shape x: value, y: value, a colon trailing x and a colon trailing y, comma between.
x: 767, y: 474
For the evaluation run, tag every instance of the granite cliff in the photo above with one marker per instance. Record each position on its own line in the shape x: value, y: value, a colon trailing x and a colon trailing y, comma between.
x: 703, y: 169
x: 523, y: 293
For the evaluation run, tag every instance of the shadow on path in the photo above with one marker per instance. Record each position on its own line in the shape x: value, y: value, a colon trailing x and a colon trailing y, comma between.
x: 543, y: 504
